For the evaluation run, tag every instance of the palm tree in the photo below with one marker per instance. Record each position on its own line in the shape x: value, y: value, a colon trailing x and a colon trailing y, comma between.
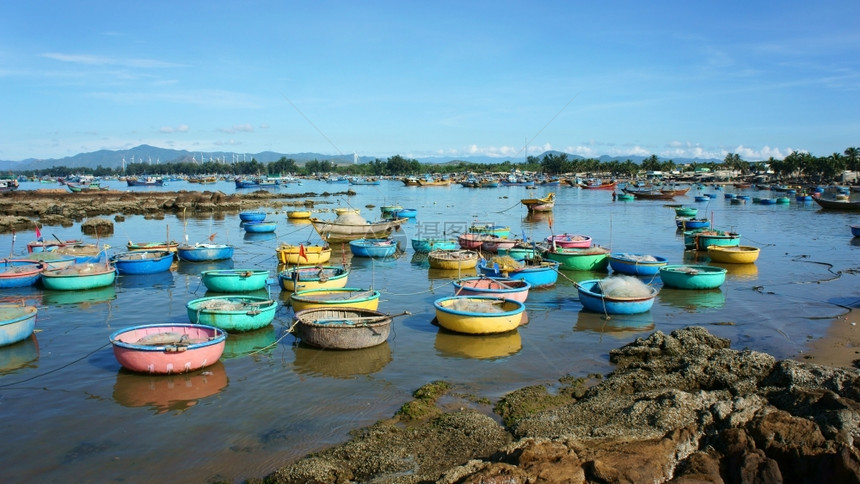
x: 853, y: 158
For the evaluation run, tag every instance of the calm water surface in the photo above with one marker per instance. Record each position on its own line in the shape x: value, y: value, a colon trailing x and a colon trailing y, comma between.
x: 69, y: 413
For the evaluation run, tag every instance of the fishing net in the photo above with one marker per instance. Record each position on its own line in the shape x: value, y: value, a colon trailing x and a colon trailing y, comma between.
x: 222, y: 305
x: 639, y: 257
x: 477, y: 305
x: 624, y: 286
x: 506, y: 263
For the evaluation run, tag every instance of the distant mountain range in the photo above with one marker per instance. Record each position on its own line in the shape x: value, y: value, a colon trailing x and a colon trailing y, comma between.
x: 155, y: 155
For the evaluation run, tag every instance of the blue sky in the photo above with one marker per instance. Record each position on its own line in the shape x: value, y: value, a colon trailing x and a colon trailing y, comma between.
x: 424, y: 79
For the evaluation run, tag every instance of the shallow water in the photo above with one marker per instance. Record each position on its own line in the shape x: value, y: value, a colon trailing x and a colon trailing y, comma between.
x: 70, y: 413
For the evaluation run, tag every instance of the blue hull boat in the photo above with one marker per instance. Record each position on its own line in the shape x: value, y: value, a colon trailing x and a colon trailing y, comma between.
x: 593, y: 299
x: 425, y: 245
x: 260, y: 227
x: 142, y: 262
x: 20, y: 273
x: 252, y: 216
x: 636, y: 264
x: 16, y: 323
x: 543, y: 275
x: 204, y: 252
x: 372, y: 247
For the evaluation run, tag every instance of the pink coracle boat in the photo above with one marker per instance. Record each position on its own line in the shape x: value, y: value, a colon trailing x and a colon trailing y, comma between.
x: 516, y: 289
x: 569, y: 241
x: 168, y: 348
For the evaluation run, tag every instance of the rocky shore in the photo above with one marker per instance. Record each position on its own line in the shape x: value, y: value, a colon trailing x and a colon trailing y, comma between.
x: 682, y: 407
x: 21, y: 208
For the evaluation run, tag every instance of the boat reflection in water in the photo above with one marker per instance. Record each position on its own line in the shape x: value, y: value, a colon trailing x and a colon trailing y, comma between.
x: 340, y: 363
x: 483, y: 347
x: 250, y: 342
x: 738, y: 272
x: 420, y: 259
x: 164, y: 393
x: 692, y: 300
x: 622, y: 326
x: 86, y: 297
x: 452, y: 274
x: 162, y: 279
x: 258, y: 236
x: 195, y: 268
x: 22, y: 354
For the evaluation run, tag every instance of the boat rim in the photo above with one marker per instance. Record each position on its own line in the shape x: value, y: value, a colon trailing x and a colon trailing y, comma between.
x: 219, y: 337
x: 520, y: 307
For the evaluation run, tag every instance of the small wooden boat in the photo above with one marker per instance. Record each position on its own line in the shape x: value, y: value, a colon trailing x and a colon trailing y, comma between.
x: 686, y: 211
x: 625, y: 197
x: 569, y: 241
x: 16, y: 323
x: 595, y: 299
x: 538, y: 273
x: 78, y: 277
x: 738, y: 254
x: 335, y: 298
x: 303, y: 254
x: 424, y: 245
x: 843, y: 204
x: 299, y: 214
x: 260, y: 227
x: 478, y: 314
x: 142, y: 261
x: 232, y: 313
x: 593, y: 258
x: 516, y: 289
x: 234, y: 280
x: 168, y: 348
x: 204, y: 252
x: 351, y: 226
x: 855, y: 230
x: 20, y: 272
x: 452, y: 259
x: 372, y: 247
x: 49, y: 245
x: 688, y: 276
x: 648, y: 194
x: 342, y: 328
x: 252, y: 216
x: 170, y: 246
x: 636, y: 264
x: 544, y: 204
x: 305, y: 278
x: 598, y: 185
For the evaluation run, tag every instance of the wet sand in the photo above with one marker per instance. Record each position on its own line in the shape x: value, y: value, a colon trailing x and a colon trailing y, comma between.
x: 840, y: 347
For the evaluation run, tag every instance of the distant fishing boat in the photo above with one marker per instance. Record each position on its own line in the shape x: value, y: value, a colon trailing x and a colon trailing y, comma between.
x: 168, y: 348
x: 544, y: 204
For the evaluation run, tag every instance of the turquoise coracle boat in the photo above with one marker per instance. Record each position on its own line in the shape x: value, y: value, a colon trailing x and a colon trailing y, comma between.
x: 684, y: 276
x: 234, y: 280
x: 232, y: 313
x: 423, y: 245
x: 79, y: 277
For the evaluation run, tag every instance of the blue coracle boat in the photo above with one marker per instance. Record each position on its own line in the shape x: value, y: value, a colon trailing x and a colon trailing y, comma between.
x: 142, y: 262
x: 252, y: 216
x: 593, y: 299
x: 372, y: 247
x: 260, y: 227
x: 204, y: 252
x: 544, y: 274
x: 16, y: 323
x: 20, y: 273
x: 636, y: 264
x: 423, y: 245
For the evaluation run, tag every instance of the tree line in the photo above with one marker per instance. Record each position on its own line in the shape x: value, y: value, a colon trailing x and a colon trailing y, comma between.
x: 795, y: 165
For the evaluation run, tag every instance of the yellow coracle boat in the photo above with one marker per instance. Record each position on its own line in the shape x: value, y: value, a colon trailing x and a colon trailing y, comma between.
x: 452, y: 259
x: 299, y: 214
x: 335, y: 298
x: 303, y: 255
x: 313, y: 277
x: 738, y: 254
x: 479, y: 314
